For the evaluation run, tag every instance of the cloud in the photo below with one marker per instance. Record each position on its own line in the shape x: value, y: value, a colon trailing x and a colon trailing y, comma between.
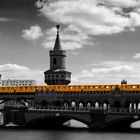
x: 14, y: 71
x: 39, y: 4
x: 92, y: 17
x: 122, y: 3
x: 115, y: 69
x: 71, y: 38
x: 33, y: 33
x: 4, y: 19
x: 89, y: 18
x: 136, y: 56
x: 109, y: 72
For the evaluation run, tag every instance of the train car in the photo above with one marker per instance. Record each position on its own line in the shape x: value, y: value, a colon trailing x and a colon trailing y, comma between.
x: 25, y: 89
x: 67, y: 88
x: 7, y: 89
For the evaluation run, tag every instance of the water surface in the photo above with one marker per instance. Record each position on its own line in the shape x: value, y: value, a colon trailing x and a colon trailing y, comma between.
x: 73, y: 134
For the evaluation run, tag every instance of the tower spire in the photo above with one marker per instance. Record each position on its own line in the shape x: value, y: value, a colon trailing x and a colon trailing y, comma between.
x: 57, y: 74
x: 57, y: 46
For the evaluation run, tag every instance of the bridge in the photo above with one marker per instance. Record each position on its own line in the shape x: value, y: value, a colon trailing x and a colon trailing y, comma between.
x: 97, y: 106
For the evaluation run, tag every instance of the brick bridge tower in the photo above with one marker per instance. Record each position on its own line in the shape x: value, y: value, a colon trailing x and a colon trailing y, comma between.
x: 57, y: 74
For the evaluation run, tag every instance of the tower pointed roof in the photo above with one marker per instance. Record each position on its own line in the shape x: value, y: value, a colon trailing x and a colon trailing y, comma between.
x: 57, y: 46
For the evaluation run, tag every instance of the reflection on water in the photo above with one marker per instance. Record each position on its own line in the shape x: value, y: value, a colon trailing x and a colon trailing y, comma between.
x: 67, y: 134
x: 12, y: 134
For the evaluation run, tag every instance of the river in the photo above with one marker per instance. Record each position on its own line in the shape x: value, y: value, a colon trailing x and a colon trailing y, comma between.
x: 14, y: 134
x: 68, y: 134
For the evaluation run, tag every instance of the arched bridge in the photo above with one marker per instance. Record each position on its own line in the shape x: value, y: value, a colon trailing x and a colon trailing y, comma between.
x: 98, y: 106
x: 94, y: 118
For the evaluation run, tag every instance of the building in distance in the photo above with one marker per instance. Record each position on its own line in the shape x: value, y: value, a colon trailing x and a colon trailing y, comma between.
x: 17, y: 82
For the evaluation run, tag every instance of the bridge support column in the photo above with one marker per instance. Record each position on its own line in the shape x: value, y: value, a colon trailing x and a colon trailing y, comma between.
x: 14, y: 115
x: 97, y: 120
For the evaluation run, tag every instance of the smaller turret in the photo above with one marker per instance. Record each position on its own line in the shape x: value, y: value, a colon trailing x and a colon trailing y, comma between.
x: 124, y: 81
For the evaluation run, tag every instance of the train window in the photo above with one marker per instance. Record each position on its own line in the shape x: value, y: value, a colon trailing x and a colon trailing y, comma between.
x: 72, y: 87
x: 134, y: 86
x: 112, y: 87
x: 102, y: 86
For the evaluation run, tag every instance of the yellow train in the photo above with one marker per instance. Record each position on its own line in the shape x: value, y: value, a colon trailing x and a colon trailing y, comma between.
x: 68, y: 88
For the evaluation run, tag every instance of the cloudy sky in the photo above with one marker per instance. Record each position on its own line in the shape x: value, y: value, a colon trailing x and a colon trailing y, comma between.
x: 102, y: 39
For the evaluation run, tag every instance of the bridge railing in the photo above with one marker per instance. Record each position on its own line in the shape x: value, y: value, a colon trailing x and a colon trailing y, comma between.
x: 59, y: 108
x: 84, y: 109
x: 125, y: 110
x: 87, y: 109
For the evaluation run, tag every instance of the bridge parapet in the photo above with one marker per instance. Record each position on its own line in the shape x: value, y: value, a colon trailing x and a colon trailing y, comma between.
x: 93, y: 117
x: 85, y: 109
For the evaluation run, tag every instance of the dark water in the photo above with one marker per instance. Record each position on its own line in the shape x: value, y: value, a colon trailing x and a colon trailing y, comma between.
x: 78, y: 131
x: 20, y: 134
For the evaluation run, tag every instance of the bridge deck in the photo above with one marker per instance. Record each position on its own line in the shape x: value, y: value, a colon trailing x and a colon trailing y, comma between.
x: 31, y: 90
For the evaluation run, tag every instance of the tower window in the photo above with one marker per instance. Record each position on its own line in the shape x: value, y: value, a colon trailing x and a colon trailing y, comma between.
x: 54, y: 61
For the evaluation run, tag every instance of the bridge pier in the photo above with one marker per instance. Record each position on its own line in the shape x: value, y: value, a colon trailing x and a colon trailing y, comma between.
x: 98, y: 119
x: 14, y: 115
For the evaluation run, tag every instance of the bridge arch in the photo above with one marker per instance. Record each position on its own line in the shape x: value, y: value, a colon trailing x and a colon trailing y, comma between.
x: 105, y: 104
x: 89, y: 105
x: 55, y: 120
x: 96, y: 104
x: 139, y: 106
x: 135, y: 105
x: 73, y: 104
x: 81, y: 104
x: 22, y: 102
x: 122, y: 123
x: 89, y: 102
x: 66, y: 104
x: 128, y: 104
